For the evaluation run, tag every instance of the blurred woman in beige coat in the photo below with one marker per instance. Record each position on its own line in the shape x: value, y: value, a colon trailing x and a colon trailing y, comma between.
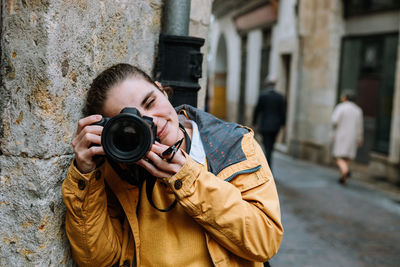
x: 347, y: 120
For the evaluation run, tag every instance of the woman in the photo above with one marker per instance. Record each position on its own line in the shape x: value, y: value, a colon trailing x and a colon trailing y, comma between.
x: 347, y: 120
x: 228, y: 209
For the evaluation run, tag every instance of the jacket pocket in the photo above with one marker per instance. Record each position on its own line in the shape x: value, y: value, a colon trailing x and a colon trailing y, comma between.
x: 248, y: 178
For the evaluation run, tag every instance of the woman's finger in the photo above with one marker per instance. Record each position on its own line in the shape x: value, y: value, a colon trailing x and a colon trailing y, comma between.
x: 81, y: 137
x: 176, y: 157
x: 82, y: 123
x: 165, y: 163
x: 153, y: 170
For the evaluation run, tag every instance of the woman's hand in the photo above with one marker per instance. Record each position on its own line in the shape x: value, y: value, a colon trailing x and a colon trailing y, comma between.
x: 158, y: 166
x: 87, y: 143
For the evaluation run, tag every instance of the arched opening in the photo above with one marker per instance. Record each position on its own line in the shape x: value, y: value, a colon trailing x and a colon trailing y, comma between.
x: 218, y: 99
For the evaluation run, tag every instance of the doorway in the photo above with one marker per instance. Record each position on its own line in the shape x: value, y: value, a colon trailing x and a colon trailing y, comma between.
x: 218, y: 101
x: 242, y: 90
x: 286, y: 62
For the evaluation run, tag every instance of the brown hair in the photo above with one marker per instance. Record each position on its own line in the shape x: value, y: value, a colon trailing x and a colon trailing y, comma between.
x: 109, y: 78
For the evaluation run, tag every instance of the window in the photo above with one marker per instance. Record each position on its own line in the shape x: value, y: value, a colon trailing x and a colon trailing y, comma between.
x: 360, y: 7
x: 368, y: 65
x: 265, y: 51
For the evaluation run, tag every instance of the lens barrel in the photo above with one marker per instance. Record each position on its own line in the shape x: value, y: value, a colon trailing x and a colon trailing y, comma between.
x: 127, y: 137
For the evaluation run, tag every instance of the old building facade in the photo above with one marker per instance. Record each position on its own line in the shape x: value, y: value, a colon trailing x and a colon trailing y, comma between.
x: 50, y: 51
x: 313, y: 50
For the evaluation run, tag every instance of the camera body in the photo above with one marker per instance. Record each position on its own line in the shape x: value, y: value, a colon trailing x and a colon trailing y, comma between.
x: 127, y: 137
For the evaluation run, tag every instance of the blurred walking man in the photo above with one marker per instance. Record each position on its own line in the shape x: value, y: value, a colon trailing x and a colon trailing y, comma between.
x: 269, y: 116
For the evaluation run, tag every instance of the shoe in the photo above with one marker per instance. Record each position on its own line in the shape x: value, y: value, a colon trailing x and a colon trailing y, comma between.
x: 341, y: 180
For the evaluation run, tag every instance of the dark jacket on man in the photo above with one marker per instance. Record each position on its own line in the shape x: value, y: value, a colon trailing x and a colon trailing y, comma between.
x: 271, y: 109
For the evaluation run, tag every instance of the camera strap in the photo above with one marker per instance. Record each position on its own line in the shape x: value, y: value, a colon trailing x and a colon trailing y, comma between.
x: 151, y: 180
x: 187, y: 139
x: 131, y: 175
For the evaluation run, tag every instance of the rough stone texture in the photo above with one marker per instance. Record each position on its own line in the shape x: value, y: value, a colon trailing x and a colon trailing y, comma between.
x: 50, y: 51
x: 53, y: 50
x: 200, y: 11
x: 32, y: 212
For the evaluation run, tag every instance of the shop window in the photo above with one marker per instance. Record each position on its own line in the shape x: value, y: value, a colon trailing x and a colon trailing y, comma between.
x: 265, y: 51
x: 360, y: 7
x: 368, y: 65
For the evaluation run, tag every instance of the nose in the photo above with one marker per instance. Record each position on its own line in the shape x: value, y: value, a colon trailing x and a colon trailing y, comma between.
x: 155, y: 120
x: 150, y: 114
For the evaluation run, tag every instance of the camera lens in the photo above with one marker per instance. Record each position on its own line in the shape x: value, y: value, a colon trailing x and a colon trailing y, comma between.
x: 125, y: 136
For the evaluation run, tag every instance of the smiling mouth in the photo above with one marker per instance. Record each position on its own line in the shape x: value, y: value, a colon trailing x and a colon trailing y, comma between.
x: 162, y: 131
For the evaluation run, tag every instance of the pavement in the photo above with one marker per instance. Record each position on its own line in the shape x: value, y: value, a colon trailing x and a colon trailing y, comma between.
x: 328, y: 224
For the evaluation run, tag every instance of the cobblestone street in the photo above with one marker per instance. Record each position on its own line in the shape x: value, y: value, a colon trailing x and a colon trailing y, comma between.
x: 327, y: 224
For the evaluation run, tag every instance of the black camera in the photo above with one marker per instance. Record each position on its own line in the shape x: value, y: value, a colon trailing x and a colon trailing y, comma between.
x: 127, y: 137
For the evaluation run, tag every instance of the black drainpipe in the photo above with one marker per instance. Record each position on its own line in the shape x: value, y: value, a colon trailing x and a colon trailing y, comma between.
x: 179, y: 59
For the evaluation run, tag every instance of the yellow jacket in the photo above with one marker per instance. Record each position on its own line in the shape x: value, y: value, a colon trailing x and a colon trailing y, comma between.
x: 240, y: 215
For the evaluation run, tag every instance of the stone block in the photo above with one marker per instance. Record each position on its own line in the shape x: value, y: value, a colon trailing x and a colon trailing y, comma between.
x: 51, y: 50
x: 32, y: 212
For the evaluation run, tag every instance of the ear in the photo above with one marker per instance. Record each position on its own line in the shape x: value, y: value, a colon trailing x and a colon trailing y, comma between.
x: 161, y: 88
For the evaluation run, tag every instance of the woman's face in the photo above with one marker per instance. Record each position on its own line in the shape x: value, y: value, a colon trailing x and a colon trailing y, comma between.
x: 150, y: 101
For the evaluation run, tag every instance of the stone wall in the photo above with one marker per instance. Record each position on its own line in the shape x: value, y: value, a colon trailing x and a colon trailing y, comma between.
x: 50, y: 50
